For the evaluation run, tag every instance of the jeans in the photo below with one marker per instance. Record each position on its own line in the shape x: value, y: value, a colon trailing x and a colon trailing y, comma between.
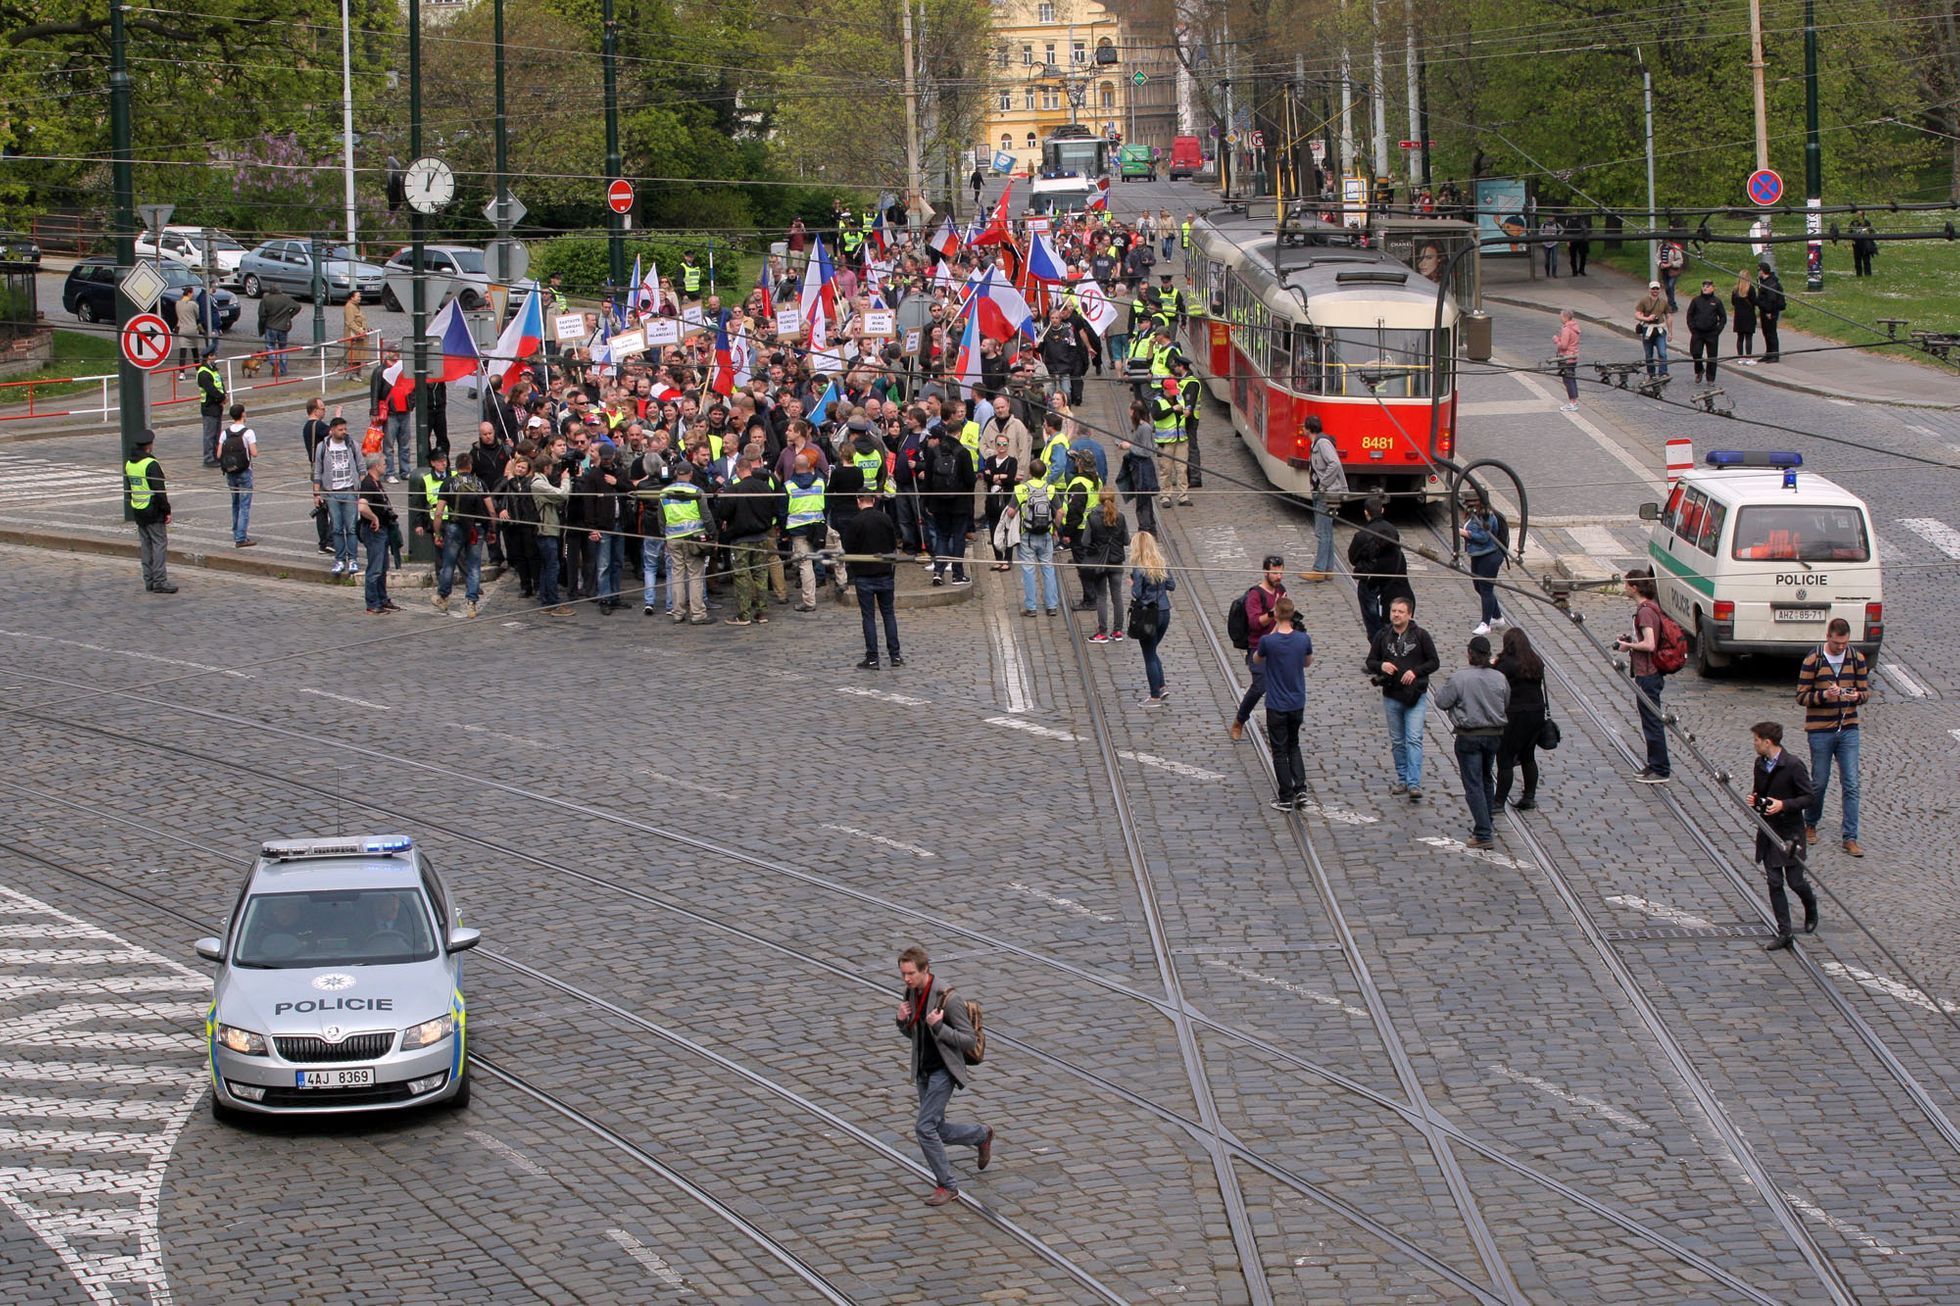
x: 1772, y: 347
x: 1485, y: 566
x: 548, y: 547
x: 653, y: 562
x: 241, y: 503
x: 1323, y: 536
x: 911, y: 523
x: 375, y: 541
x: 456, y: 543
x: 1568, y: 372
x: 1103, y: 582
x: 1153, y: 666
x: 1841, y: 746
x: 343, y: 513
x: 1038, y: 551
x: 1374, y: 606
x: 1667, y: 283
x: 275, y: 342
x: 875, y: 603
x: 1255, y: 688
x: 394, y: 445
x: 1653, y: 348
x: 612, y: 561
x: 1405, y: 737
x: 1476, y: 756
x: 1289, y: 768
x: 935, y: 1095
x: 1551, y: 261
x: 947, y: 535
x: 1652, y: 728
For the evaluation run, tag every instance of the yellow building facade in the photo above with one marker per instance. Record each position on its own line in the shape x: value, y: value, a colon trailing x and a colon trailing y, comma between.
x: 1057, y: 62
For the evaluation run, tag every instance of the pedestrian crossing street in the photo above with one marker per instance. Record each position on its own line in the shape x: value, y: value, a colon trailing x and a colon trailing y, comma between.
x: 100, y: 1068
x: 25, y: 478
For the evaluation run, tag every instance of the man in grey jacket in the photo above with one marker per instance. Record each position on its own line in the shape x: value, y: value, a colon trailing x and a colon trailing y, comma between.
x: 1477, y: 698
x: 336, y: 486
x: 1330, y: 487
x: 937, y: 1027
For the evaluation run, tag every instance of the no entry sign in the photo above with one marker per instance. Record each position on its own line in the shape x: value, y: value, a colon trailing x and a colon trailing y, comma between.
x: 619, y: 196
x: 146, y: 341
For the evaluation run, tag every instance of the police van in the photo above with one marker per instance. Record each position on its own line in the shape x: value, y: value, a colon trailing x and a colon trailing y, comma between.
x: 1060, y: 192
x: 1752, y: 557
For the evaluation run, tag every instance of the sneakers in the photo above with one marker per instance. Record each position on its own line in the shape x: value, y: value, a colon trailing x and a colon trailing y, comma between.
x: 1481, y: 628
x: 986, y: 1149
x: 1099, y: 638
x: 941, y: 1196
x: 1647, y: 775
x: 470, y: 612
x: 869, y: 664
x: 1166, y: 501
x: 735, y: 621
x: 336, y: 569
x: 678, y: 617
x: 1568, y: 408
x: 938, y: 581
x: 1284, y: 803
x: 1499, y: 620
x: 1415, y: 793
x: 649, y: 610
x: 1156, y: 700
x: 1027, y: 612
x: 897, y: 661
x: 394, y: 480
x: 440, y: 602
x: 962, y: 580
x: 1116, y: 635
x: 806, y: 607
x: 1054, y: 612
x: 246, y: 543
x: 701, y: 621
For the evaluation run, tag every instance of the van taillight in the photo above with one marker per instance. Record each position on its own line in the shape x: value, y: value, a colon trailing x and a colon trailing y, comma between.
x: 1724, y: 610
x: 1874, y: 621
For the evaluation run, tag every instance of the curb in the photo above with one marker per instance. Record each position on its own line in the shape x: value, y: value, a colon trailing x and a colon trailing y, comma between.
x: 238, y: 563
x: 1780, y: 381
x: 62, y: 428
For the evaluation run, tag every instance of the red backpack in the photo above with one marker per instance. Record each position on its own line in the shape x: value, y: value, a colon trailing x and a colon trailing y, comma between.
x: 1670, y: 645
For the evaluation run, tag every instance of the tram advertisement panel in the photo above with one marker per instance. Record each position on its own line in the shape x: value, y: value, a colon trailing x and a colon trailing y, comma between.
x: 1501, y: 212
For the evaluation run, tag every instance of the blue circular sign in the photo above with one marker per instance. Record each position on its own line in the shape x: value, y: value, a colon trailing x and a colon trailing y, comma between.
x: 1765, y: 187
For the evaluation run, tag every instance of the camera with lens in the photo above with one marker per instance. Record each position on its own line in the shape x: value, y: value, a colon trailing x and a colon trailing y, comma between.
x: 1761, y: 803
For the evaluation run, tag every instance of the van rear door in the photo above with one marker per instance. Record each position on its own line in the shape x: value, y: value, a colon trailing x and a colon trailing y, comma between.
x: 1794, y: 565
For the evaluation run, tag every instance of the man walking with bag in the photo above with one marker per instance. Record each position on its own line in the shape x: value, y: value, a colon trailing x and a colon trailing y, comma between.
x: 942, y: 1037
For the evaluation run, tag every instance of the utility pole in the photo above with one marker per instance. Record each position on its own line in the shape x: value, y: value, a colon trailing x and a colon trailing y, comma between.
x: 1422, y: 120
x: 1813, y: 152
x: 419, y: 320
x: 1647, y: 91
x: 1224, y: 147
x: 1376, y: 93
x: 1420, y: 152
x: 322, y: 240
x: 1762, y: 107
x: 914, y: 201
x: 347, y: 117
x: 1347, y: 108
x: 133, y: 385
x: 609, y: 56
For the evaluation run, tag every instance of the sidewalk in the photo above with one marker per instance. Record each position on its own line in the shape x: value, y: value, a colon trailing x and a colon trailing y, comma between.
x: 1605, y: 297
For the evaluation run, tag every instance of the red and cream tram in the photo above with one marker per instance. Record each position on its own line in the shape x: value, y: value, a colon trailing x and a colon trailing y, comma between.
x: 1315, y: 324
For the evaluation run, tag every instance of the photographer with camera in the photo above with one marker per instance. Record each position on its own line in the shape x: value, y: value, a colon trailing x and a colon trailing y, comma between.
x: 1781, y: 792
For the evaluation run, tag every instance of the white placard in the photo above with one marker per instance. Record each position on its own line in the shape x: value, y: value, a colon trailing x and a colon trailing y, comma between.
x: 625, y: 344
x: 912, y: 340
x: 569, y: 326
x: 827, y: 360
x: 1039, y: 226
x: 691, y: 318
x: 880, y: 322
x: 662, y: 331
x: 789, y: 320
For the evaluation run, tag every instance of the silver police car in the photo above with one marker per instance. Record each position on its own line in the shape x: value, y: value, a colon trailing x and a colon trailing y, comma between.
x: 339, y: 984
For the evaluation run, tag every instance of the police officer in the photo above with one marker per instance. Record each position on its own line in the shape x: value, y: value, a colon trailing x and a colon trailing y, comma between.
x: 150, y: 506
x: 211, y: 404
x: 690, y: 531
x: 1190, y: 393
x: 691, y: 277
x: 1167, y: 429
x: 425, y: 498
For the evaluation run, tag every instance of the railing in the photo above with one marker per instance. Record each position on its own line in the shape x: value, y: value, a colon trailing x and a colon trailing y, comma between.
x: 334, y: 358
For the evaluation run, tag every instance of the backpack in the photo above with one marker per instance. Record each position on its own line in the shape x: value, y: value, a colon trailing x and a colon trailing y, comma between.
x: 973, y: 1018
x: 1670, y: 646
x: 233, y: 456
x: 945, y: 467
x: 1038, y: 518
x: 1500, y: 530
x: 1238, y: 626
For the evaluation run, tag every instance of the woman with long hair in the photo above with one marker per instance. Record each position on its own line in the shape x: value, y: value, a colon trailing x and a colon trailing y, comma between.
x: 1742, y: 315
x: 1105, y: 541
x: 1524, y: 718
x: 1151, y: 584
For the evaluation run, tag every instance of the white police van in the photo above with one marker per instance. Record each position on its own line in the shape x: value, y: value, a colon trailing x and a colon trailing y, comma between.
x: 1753, y: 558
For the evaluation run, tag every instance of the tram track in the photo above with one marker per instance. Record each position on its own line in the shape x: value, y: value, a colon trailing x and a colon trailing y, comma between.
x: 1488, y: 1151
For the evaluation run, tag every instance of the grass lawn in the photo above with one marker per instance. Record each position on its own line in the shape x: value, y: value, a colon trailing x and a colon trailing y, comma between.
x: 1918, y: 280
x: 76, y: 353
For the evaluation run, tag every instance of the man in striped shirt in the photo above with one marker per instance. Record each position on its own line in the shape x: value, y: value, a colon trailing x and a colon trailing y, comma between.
x: 1831, y: 685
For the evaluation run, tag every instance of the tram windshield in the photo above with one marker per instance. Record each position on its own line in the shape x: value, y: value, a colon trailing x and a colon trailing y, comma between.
x: 1382, y: 361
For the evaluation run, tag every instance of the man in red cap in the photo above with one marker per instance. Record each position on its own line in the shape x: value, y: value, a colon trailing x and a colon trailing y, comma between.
x: 1167, y: 427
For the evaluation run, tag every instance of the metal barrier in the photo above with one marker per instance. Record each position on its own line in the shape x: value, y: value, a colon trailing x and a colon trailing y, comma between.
x: 335, y: 358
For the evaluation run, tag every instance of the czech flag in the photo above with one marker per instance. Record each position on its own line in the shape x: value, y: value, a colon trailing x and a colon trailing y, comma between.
x: 1099, y: 202
x: 664, y: 392
x: 649, y: 291
x: 999, y: 309
x: 401, y: 382
x: 518, y: 344
x: 1044, y: 264
x: 966, y: 364
x: 879, y: 242
x: 819, y: 293
x: 459, y: 357
x: 945, y: 242
x: 763, y: 288
x: 996, y: 231
x: 723, y: 381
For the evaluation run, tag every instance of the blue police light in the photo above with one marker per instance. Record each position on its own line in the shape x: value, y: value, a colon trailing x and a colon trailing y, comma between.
x: 1755, y: 458
x: 399, y: 843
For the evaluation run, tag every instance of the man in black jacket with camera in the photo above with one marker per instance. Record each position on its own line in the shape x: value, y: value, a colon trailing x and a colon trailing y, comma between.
x: 1381, y: 570
x: 1782, y: 790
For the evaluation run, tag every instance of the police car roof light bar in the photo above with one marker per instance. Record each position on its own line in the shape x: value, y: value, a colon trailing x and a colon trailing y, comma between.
x: 1753, y: 458
x: 288, y: 850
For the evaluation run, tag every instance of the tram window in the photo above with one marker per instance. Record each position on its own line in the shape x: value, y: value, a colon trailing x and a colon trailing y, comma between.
x: 1280, y: 357
x: 1217, y: 288
x: 1379, y: 361
x: 1306, y: 361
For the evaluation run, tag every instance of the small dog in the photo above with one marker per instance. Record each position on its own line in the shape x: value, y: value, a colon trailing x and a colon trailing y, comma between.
x: 253, y: 365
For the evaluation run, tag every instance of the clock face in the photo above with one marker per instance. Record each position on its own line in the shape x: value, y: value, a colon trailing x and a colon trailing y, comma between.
x: 430, y: 185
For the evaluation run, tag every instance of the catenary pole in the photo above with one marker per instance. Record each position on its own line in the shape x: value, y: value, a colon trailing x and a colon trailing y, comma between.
x: 1813, y: 153
x: 133, y: 386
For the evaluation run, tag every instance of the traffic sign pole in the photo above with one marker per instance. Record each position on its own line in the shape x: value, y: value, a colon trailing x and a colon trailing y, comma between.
x: 133, y: 387
x: 609, y: 57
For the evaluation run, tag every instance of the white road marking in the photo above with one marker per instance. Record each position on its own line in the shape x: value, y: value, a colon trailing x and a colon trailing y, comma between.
x: 1661, y: 911
x: 650, y: 1261
x: 1166, y: 764
x: 1900, y: 677
x: 1621, y: 1118
x: 1046, y: 732
x: 1066, y: 904
x: 1597, y: 541
x: 1935, y: 532
x: 1847, y: 1229
x: 1311, y: 995
x: 679, y: 783
x: 1841, y: 403
x: 1013, y: 667
x: 1954, y: 733
x: 1891, y: 988
x: 869, y: 837
x: 1481, y: 854
x: 342, y: 698
x: 884, y: 696
x: 1503, y: 407
x: 1598, y: 437
x: 1888, y: 551
x: 1923, y: 430
x: 492, y: 1143
x: 108, y: 1240
x: 1338, y: 815
x: 127, y: 653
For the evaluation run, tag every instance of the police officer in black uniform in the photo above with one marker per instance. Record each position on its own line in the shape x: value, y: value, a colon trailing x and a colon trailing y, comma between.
x: 150, y: 506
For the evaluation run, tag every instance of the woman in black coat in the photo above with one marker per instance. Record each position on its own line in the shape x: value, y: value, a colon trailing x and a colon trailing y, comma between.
x: 1742, y: 316
x: 1524, y: 717
x: 997, y: 472
x: 1105, y: 543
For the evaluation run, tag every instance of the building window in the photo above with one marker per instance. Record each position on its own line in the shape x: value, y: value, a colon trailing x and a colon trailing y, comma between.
x: 1006, y: 143
x: 1108, y: 100
x: 1006, y: 101
x: 1050, y: 98
x: 1027, y: 97
x: 1031, y: 140
x: 1078, y: 52
x: 1001, y: 56
x: 1027, y: 56
x: 1049, y: 57
x: 1044, y: 13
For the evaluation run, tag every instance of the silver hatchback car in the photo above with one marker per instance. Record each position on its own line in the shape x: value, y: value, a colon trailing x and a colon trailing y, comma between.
x: 339, y: 984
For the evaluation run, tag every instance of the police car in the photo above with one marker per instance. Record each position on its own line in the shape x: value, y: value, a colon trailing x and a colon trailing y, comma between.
x: 1754, y: 556
x: 339, y: 984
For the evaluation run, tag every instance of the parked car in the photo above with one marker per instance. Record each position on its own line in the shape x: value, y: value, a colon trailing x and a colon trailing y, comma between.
x: 186, y: 245
x: 90, y: 291
x: 288, y: 264
x: 16, y: 248
x: 457, y: 270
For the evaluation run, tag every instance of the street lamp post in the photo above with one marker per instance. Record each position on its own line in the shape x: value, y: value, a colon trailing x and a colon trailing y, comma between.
x: 1813, y: 153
